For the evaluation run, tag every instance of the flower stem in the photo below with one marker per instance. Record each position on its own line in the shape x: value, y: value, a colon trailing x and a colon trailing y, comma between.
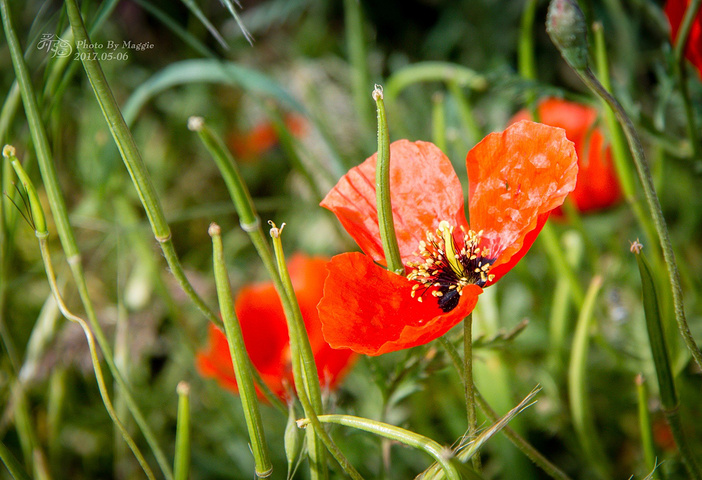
x: 248, y: 220
x: 386, y: 223
x: 320, y: 432
x: 661, y: 360
x: 42, y: 233
x: 468, y: 384
x: 131, y: 156
x: 65, y: 231
x: 654, y: 207
x: 520, y: 442
x: 181, y: 463
x: 425, y: 444
x: 240, y: 359
x: 307, y: 379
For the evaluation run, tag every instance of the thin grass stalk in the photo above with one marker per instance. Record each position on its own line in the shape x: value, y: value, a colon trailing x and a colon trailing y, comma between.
x: 468, y: 386
x: 386, y: 224
x: 645, y: 428
x: 427, y: 445
x: 131, y: 156
x: 520, y: 442
x: 577, y: 385
x: 240, y: 359
x: 568, y: 33
x: 465, y: 110
x: 307, y: 379
x: 181, y: 462
x: 64, y: 228
x: 670, y: 402
x: 12, y: 464
x: 42, y: 233
x: 549, y: 239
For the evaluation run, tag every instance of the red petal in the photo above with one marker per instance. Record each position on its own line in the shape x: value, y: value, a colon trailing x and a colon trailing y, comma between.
x: 424, y: 190
x: 597, y: 185
x: 516, y: 177
x: 371, y: 311
x: 265, y: 332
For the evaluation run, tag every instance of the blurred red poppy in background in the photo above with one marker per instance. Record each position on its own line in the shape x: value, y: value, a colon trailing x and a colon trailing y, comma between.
x: 247, y: 146
x: 516, y: 178
x: 597, y: 187
x: 265, y: 332
x: 675, y: 10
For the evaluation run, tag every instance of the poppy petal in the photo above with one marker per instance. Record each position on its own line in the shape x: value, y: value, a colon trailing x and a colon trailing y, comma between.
x: 598, y: 186
x: 371, y: 311
x: 516, y: 177
x: 424, y: 190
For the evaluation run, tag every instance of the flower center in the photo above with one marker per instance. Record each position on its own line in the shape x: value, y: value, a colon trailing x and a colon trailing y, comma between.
x: 450, y: 264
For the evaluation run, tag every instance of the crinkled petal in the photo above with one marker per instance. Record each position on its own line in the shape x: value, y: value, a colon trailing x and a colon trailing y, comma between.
x: 424, y: 190
x: 516, y: 177
x: 598, y: 186
x: 371, y: 311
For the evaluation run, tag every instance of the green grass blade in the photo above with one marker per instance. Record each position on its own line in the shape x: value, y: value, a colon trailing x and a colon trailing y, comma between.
x: 206, y: 71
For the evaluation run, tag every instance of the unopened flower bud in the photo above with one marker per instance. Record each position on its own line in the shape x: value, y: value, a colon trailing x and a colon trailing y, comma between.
x: 565, y: 24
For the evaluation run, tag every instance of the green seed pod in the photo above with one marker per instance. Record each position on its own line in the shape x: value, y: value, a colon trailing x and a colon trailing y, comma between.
x: 293, y: 441
x: 566, y: 25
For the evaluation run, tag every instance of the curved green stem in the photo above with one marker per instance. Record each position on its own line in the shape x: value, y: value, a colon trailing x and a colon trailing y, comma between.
x: 427, y: 445
x: 654, y: 207
x: 42, y: 236
x: 520, y: 442
x: 577, y: 384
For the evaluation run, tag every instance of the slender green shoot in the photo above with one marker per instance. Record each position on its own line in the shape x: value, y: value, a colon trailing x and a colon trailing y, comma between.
x: 12, y: 464
x: 386, y: 223
x: 240, y: 359
x: 307, y: 381
x: 41, y: 232
x: 181, y: 463
x: 645, y: 428
x: 577, y: 384
x: 427, y: 445
x: 661, y: 360
x: 131, y: 156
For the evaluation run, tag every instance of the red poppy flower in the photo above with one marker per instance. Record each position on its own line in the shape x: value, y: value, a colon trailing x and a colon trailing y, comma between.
x: 250, y: 145
x: 597, y: 187
x: 675, y: 10
x: 516, y: 178
x: 265, y: 332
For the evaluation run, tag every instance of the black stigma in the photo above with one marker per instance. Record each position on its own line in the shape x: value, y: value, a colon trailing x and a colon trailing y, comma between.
x: 449, y: 300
